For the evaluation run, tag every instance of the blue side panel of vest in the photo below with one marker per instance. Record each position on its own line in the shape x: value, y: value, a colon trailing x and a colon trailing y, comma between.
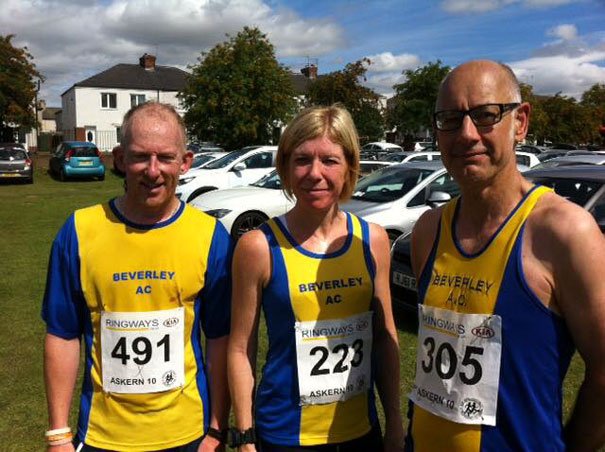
x: 536, y: 351
x: 276, y: 394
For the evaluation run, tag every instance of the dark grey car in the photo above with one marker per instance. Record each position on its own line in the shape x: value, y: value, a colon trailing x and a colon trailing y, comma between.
x: 15, y: 163
x: 583, y: 185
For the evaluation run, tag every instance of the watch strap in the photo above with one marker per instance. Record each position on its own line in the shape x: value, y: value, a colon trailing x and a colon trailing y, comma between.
x: 215, y: 433
x: 236, y: 438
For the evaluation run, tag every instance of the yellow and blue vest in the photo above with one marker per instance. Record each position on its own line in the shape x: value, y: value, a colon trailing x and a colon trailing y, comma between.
x: 101, y: 262
x: 536, y: 345
x: 306, y: 286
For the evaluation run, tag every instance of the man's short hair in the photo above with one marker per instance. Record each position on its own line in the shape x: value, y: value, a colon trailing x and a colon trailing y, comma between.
x: 157, y: 110
x: 336, y: 123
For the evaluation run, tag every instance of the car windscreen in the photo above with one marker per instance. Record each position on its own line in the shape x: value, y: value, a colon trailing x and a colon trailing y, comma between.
x: 389, y: 184
x: 84, y: 151
x: 200, y: 159
x: 271, y: 180
x: 8, y: 154
x: 393, y: 157
x: 576, y: 191
x: 224, y: 161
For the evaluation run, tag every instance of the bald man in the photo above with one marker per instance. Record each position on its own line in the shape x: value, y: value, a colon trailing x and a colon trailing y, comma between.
x: 510, y: 283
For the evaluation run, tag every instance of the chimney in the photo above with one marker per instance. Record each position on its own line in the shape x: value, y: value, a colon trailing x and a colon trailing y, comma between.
x: 310, y: 71
x: 147, y: 61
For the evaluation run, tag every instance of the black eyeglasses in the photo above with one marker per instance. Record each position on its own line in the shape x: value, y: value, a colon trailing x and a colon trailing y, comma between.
x: 482, y: 116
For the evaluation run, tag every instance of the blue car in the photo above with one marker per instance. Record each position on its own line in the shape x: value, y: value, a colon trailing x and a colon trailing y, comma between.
x: 77, y: 159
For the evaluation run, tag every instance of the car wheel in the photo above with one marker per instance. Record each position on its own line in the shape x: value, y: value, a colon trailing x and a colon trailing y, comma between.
x: 62, y: 176
x: 30, y: 180
x: 102, y: 177
x: 198, y: 192
x: 247, y: 221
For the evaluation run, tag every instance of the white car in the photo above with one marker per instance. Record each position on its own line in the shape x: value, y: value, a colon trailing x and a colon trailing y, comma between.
x: 527, y: 159
x: 235, y: 169
x: 404, y: 157
x: 381, y: 146
x: 421, y: 145
x: 244, y: 208
x: 202, y: 159
x: 396, y: 196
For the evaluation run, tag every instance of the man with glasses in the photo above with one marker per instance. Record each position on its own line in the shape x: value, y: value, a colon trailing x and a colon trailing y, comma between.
x: 509, y: 282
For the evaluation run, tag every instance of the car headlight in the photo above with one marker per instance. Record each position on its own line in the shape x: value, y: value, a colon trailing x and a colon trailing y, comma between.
x: 217, y: 213
x: 185, y: 180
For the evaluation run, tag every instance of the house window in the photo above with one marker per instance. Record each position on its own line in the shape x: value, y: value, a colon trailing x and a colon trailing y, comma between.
x: 109, y: 100
x: 137, y: 99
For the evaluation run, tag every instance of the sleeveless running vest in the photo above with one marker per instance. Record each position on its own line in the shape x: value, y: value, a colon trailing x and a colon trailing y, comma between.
x: 318, y: 314
x: 140, y: 297
x: 520, y: 346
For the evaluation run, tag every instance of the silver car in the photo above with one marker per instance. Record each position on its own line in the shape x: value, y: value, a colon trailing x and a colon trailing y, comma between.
x: 15, y: 163
x: 396, y: 196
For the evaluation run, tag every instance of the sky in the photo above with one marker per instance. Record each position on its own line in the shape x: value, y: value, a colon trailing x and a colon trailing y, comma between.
x: 557, y: 46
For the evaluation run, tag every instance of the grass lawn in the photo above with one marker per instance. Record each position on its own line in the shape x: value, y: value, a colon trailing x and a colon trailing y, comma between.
x: 30, y: 216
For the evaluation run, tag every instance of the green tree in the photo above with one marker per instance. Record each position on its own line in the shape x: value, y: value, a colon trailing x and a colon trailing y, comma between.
x: 566, y: 119
x: 17, y: 87
x: 345, y: 87
x: 538, y: 120
x: 593, y: 103
x: 238, y: 92
x: 414, y: 100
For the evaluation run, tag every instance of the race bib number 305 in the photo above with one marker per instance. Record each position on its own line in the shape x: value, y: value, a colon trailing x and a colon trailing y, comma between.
x: 458, y: 365
x: 333, y: 358
x: 142, y: 352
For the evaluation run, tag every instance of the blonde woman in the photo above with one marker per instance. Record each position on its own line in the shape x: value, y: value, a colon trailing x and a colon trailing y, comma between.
x: 321, y: 277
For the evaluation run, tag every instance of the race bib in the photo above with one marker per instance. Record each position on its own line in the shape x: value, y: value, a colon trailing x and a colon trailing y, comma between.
x: 333, y: 358
x: 458, y: 365
x: 142, y: 352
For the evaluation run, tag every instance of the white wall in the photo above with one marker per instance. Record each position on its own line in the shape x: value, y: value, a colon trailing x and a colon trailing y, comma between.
x: 82, y: 106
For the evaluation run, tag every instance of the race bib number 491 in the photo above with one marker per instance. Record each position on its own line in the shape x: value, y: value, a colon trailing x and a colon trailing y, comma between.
x: 333, y: 358
x: 142, y: 352
x: 458, y: 365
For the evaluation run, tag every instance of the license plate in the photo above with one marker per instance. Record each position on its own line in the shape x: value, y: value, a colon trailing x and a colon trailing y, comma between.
x: 86, y: 163
x: 10, y: 175
x: 400, y: 279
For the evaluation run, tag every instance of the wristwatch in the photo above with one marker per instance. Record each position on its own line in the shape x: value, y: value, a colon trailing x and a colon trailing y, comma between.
x: 215, y: 433
x: 236, y: 438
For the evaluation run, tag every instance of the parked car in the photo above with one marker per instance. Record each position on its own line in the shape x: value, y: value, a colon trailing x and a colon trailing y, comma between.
x: 235, y: 169
x: 369, y: 166
x: 583, y: 185
x: 202, y: 159
x: 533, y: 149
x: 15, y: 163
x: 199, y: 148
x: 422, y: 145
x: 377, y: 149
x: 571, y: 160
x: 377, y: 146
x: 527, y: 159
x: 77, y: 159
x: 404, y: 157
x: 242, y: 209
x: 396, y: 196
x: 548, y: 155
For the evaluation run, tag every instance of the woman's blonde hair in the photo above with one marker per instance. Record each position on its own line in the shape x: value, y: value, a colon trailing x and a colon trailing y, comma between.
x: 334, y: 122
